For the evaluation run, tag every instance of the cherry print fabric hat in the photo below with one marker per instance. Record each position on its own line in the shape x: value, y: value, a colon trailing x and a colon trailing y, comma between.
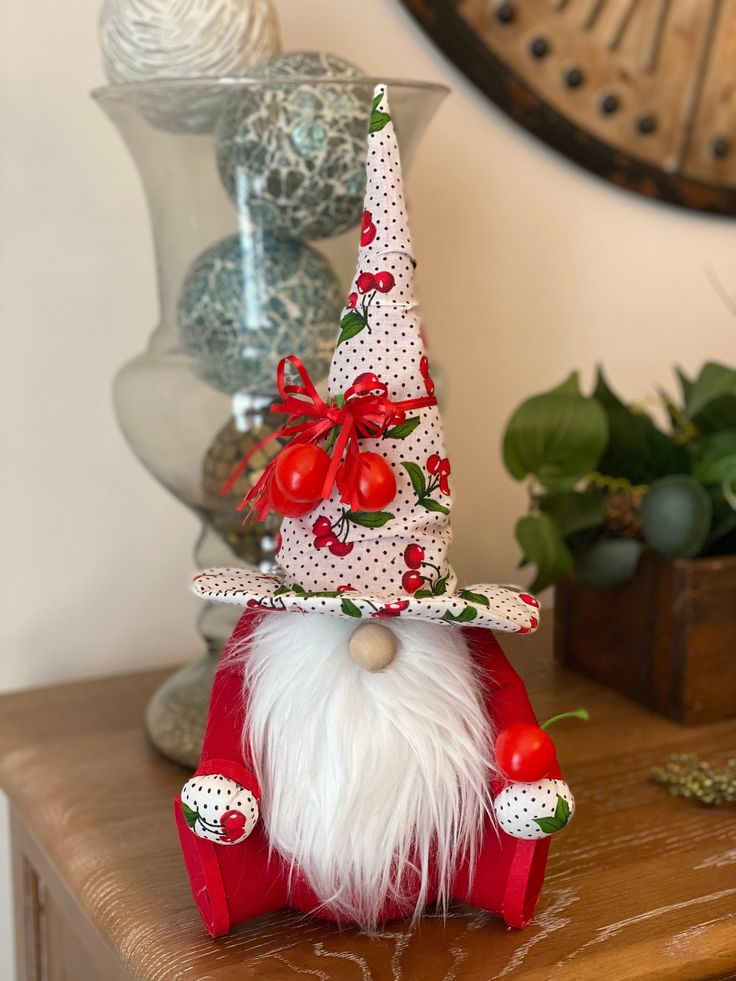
x: 341, y: 561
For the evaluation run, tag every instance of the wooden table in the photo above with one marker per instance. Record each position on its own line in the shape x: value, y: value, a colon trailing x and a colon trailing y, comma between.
x: 640, y: 885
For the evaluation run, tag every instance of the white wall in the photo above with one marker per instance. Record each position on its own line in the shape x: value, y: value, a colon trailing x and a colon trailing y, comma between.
x: 528, y: 267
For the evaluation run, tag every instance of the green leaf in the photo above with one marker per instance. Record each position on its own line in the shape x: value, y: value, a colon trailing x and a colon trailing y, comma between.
x: 573, y: 511
x: 403, y: 429
x: 476, y: 598
x: 190, y: 816
x: 720, y: 541
x: 549, y: 825
x: 718, y: 460
x: 378, y: 121
x: 429, y: 505
x: 686, y: 384
x: 423, y: 594
x: 676, y: 516
x: 350, y: 325
x: 416, y: 475
x: 468, y: 614
x: 542, y: 544
x: 280, y: 590
x: 330, y: 439
x: 376, y: 101
x: 349, y: 608
x: 561, y: 816
x: 562, y: 810
x: 608, y: 563
x: 711, y: 401
x: 636, y: 449
x: 369, y: 519
x: 558, y: 437
x: 439, y: 588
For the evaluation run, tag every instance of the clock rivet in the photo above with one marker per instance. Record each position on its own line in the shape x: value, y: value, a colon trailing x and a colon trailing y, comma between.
x: 609, y: 104
x: 573, y: 78
x: 539, y: 47
x: 720, y: 147
x: 646, y: 125
x: 505, y: 12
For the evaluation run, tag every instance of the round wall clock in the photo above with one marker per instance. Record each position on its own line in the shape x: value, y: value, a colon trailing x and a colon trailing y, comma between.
x: 641, y: 92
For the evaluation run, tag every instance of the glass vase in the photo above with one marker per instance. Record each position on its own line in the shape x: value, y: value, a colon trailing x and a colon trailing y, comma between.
x: 255, y: 189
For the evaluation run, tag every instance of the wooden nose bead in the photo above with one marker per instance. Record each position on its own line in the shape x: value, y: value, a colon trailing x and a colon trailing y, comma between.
x: 373, y: 646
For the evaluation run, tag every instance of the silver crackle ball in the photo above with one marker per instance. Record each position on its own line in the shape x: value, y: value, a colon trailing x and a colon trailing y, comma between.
x: 148, y: 40
x: 246, y: 303
x: 293, y: 156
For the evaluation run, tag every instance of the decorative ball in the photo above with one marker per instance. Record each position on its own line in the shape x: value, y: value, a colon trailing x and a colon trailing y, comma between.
x: 252, y: 541
x: 293, y: 156
x: 145, y: 40
x: 218, y: 809
x: 245, y: 304
x: 534, y: 810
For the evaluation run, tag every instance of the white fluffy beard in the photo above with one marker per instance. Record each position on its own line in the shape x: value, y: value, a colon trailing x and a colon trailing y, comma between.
x: 375, y: 786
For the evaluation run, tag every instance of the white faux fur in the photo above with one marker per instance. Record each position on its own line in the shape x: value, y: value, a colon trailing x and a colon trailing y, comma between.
x: 369, y: 780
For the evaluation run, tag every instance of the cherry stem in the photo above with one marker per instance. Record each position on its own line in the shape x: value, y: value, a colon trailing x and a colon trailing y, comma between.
x: 577, y: 714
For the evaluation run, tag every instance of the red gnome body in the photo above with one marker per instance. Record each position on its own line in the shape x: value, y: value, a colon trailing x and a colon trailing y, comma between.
x: 348, y: 766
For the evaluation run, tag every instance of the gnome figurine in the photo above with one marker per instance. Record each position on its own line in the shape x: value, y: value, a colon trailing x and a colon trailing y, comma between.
x: 349, y: 767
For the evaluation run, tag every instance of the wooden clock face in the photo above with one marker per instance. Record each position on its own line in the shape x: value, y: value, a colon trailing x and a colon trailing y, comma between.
x: 642, y: 92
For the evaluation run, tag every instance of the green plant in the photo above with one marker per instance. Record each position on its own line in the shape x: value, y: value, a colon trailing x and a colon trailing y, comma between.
x: 606, y: 483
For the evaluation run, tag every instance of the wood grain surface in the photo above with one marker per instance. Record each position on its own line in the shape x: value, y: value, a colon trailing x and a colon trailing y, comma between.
x: 640, y: 886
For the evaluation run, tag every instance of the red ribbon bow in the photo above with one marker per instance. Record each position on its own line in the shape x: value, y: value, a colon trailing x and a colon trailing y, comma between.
x: 365, y: 411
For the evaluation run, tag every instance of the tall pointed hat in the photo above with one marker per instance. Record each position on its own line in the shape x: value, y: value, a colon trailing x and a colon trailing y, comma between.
x: 340, y: 559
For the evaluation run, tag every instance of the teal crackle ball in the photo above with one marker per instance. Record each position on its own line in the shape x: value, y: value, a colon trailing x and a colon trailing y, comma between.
x: 292, y: 157
x: 245, y: 304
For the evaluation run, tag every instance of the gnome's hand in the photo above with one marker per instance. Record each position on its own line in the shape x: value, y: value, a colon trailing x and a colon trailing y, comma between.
x: 218, y: 809
x: 534, y: 810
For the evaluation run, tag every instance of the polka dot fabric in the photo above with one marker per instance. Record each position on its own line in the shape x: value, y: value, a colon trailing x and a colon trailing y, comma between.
x: 393, y: 562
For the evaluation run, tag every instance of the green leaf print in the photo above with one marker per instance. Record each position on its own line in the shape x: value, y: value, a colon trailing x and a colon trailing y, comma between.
x: 416, y: 476
x: 350, y: 325
x: 403, y: 429
x: 349, y: 608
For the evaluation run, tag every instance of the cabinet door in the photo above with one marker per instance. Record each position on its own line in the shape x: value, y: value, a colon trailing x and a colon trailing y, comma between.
x: 54, y: 939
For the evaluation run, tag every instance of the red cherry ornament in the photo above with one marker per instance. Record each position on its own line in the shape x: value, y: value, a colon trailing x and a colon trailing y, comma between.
x: 285, y: 505
x: 341, y: 549
x: 365, y: 282
x: 300, y: 471
x: 413, y: 556
x: 524, y: 752
x: 351, y: 301
x: 375, y: 482
x: 384, y: 281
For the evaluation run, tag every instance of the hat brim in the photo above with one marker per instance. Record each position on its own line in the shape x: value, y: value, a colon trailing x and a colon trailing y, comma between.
x: 501, y: 608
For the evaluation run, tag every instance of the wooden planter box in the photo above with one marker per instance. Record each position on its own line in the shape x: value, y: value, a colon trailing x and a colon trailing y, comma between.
x: 666, y: 639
